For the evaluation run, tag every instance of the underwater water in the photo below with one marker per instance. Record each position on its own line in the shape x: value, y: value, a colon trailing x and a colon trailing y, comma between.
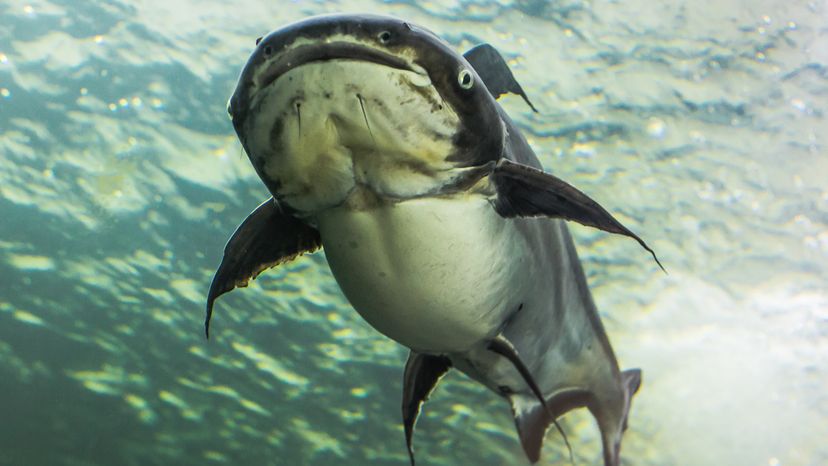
x: 700, y: 124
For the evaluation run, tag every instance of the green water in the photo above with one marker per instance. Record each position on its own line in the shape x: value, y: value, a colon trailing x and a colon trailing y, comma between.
x: 700, y: 124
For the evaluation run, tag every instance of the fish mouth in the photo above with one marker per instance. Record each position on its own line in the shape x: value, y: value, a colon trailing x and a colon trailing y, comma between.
x: 270, y: 71
x: 305, y: 54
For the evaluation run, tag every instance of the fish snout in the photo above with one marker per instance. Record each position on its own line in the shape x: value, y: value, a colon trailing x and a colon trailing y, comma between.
x: 237, y: 111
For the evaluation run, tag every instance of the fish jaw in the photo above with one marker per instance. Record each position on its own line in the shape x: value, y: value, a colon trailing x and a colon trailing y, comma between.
x: 324, y: 128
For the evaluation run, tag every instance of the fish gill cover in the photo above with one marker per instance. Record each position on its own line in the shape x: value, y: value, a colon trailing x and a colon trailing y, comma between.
x: 701, y: 123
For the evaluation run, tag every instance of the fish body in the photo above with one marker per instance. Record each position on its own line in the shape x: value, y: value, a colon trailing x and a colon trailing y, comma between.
x: 387, y: 149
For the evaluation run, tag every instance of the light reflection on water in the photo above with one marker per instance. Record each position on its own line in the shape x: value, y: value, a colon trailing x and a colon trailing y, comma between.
x: 701, y: 124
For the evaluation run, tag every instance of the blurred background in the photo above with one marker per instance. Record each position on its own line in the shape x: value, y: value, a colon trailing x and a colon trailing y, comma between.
x: 700, y: 124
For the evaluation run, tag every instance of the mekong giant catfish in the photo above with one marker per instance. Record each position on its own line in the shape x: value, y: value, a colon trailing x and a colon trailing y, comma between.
x: 386, y: 148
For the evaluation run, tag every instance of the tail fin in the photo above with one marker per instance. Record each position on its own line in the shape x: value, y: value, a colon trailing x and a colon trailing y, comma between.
x: 532, y: 420
x: 613, y: 421
x: 631, y: 380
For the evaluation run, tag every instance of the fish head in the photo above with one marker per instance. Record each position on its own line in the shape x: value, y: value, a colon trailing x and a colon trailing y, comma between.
x: 336, y: 105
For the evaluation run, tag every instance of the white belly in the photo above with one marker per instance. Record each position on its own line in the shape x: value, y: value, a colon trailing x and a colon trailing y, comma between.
x: 435, y: 274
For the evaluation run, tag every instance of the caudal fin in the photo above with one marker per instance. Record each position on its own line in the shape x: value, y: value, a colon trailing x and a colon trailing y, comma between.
x: 631, y: 379
x: 533, y: 421
x: 612, y: 420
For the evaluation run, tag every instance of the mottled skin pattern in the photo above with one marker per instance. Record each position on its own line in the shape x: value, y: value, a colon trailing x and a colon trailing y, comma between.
x: 390, y: 149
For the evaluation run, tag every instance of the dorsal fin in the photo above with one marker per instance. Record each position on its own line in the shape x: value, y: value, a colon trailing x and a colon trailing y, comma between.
x: 422, y: 372
x: 495, y: 73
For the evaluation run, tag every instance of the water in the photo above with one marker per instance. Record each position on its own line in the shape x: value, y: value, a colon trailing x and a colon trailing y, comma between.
x: 701, y: 124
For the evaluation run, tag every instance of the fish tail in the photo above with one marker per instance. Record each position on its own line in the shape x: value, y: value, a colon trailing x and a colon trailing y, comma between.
x: 610, y: 409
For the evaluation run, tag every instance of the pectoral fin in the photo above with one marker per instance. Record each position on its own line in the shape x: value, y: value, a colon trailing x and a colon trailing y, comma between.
x: 422, y: 372
x: 524, y: 191
x: 495, y: 73
x: 266, y: 238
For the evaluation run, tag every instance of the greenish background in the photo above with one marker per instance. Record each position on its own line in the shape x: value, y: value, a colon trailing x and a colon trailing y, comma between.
x: 700, y: 124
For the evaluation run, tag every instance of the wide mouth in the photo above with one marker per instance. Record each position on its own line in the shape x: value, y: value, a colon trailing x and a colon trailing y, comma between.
x: 305, y: 54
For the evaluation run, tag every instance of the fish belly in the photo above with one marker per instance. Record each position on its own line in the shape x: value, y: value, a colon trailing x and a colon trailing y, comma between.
x: 438, y: 275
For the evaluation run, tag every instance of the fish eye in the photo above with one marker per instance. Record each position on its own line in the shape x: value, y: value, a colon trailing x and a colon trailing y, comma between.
x: 229, y: 110
x: 384, y: 36
x: 267, y: 51
x: 465, y: 79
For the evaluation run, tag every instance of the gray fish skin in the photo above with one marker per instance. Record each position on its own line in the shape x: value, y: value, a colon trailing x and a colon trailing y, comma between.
x: 385, y: 146
x: 560, y: 336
